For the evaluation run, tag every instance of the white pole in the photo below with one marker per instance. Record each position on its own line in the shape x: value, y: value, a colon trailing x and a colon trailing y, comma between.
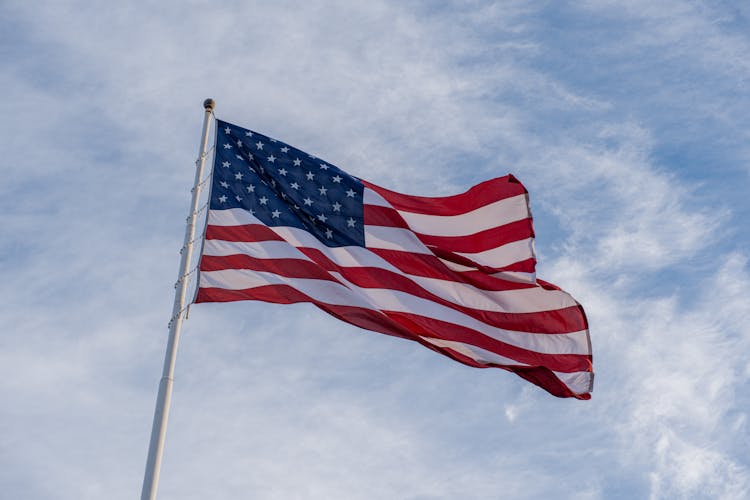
x: 161, y: 413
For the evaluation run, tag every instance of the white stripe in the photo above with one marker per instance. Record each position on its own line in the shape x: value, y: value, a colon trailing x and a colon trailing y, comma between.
x: 516, y: 276
x: 231, y: 217
x: 394, y: 238
x: 347, y: 293
x: 476, y: 353
x: 350, y: 256
x: 490, y: 216
x: 373, y: 198
x: 487, y: 217
x: 459, y: 268
x: 259, y: 250
x: 523, y: 300
x: 299, y: 237
x: 577, y: 382
x: 389, y: 238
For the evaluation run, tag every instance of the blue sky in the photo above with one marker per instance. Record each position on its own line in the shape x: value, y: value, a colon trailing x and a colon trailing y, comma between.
x: 628, y: 124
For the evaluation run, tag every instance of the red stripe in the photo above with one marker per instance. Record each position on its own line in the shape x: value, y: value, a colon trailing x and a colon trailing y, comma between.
x: 564, y: 320
x: 426, y: 266
x: 291, y: 268
x: 478, y: 242
x: 375, y: 215
x: 483, y: 240
x: 431, y: 327
x: 403, y: 325
x: 537, y: 375
x: 283, y: 294
x: 429, y: 266
x: 244, y: 233
x: 410, y: 263
x: 444, y: 250
x: 543, y: 377
x: 478, y: 196
x: 522, y: 266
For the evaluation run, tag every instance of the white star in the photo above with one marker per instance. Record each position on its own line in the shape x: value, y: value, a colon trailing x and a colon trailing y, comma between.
x: 297, y: 162
x: 336, y: 179
x: 322, y: 190
x: 259, y: 145
x: 227, y: 146
x: 273, y: 183
x: 322, y: 218
x: 223, y: 199
x: 284, y: 149
x: 323, y: 166
x: 239, y: 198
x: 239, y: 142
x: 283, y: 196
x: 271, y: 158
x: 307, y: 201
x: 282, y: 171
x: 250, y: 156
x: 329, y: 233
x: 263, y: 200
x: 275, y: 214
x: 249, y: 134
x: 273, y: 140
x: 337, y: 207
x: 350, y: 222
x: 294, y: 185
x: 226, y: 164
x: 227, y: 130
x: 350, y: 193
x: 252, y: 212
x: 239, y: 157
x: 310, y: 176
x: 250, y: 188
x: 224, y: 184
x: 238, y: 176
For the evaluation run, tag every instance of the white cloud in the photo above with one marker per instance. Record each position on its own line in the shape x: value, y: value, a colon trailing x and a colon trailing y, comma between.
x: 281, y: 402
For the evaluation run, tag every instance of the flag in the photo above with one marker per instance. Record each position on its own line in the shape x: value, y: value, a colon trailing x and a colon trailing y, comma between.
x: 455, y: 273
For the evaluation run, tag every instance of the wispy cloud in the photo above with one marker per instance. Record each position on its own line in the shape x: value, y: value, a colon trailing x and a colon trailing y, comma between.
x: 628, y: 125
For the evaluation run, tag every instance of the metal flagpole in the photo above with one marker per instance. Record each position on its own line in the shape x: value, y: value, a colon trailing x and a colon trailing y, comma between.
x: 161, y: 413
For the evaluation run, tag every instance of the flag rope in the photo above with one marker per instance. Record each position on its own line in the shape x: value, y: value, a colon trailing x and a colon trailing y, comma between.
x: 196, y: 213
x: 185, y: 276
x: 202, y: 182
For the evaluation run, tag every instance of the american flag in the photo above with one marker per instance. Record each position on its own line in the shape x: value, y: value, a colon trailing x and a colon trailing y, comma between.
x: 454, y: 273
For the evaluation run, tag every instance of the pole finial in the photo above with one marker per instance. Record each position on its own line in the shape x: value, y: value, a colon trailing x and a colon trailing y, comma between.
x: 209, y: 104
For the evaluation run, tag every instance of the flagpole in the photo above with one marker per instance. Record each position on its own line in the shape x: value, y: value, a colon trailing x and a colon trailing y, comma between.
x: 161, y: 412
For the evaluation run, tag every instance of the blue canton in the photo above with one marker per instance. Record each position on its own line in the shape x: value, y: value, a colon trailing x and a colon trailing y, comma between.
x: 283, y: 186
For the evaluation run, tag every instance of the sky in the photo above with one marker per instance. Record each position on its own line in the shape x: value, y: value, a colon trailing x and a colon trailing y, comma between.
x: 628, y: 122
